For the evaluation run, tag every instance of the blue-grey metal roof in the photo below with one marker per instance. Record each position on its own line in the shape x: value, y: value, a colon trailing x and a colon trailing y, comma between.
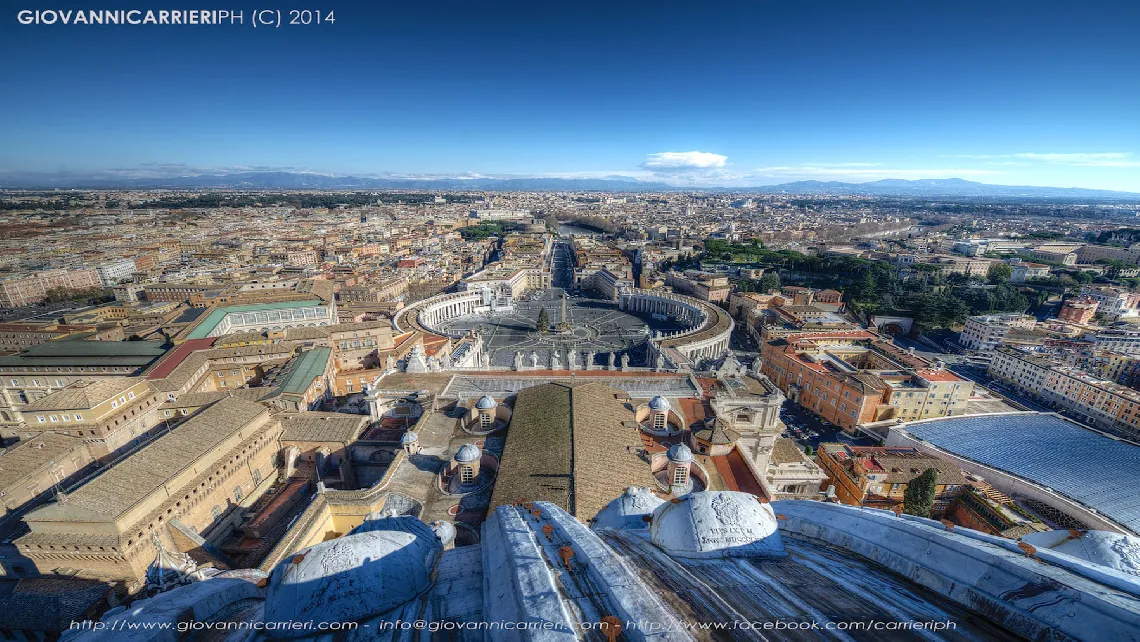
x: 1096, y: 471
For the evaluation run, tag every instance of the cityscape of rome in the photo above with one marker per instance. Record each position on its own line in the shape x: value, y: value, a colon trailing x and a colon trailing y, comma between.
x: 466, y: 391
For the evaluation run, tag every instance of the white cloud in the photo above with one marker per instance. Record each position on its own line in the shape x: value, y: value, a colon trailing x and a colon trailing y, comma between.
x: 869, y: 171
x: 679, y: 162
x: 1076, y: 159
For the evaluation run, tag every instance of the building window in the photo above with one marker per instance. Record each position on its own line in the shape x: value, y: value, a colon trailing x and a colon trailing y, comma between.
x: 485, y: 420
x: 256, y: 476
x: 238, y: 494
x: 659, y: 421
x: 216, y: 512
x: 466, y: 474
x: 680, y: 476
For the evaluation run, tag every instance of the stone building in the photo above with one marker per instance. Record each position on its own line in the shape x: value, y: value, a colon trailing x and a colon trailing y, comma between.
x: 110, y: 414
x: 48, y: 367
x: 185, y: 484
x: 874, y: 476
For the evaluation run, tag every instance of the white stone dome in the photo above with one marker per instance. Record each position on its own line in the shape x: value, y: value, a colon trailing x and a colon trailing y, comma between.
x: 628, y: 511
x: 680, y: 453
x: 468, y: 453
x: 352, y: 578
x: 659, y: 404
x: 409, y: 437
x: 716, y: 524
x: 485, y: 403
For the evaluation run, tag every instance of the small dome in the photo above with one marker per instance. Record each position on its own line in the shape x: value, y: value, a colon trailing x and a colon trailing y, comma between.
x: 485, y: 403
x: 659, y: 403
x: 628, y: 510
x: 468, y: 453
x: 717, y: 524
x: 680, y: 453
x: 409, y: 437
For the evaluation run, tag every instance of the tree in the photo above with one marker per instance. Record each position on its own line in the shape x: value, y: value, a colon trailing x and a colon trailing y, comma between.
x: 809, y: 451
x: 770, y: 282
x: 918, y: 499
x: 543, y: 323
x: 999, y: 273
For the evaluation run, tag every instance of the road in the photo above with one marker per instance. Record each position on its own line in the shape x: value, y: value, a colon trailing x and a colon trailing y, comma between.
x: 562, y: 272
x: 795, y: 416
x: 978, y: 375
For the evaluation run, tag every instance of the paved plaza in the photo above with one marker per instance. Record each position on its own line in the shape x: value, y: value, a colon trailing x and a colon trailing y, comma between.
x: 595, y: 326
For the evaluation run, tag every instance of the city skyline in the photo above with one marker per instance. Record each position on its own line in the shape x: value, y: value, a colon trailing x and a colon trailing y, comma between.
x: 748, y: 95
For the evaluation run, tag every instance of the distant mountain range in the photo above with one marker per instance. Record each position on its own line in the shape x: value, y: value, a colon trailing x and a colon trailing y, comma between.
x: 925, y: 188
x: 932, y: 187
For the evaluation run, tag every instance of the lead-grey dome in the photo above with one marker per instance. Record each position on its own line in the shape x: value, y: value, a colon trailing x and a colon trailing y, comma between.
x: 629, y: 510
x: 409, y: 437
x: 659, y: 403
x: 485, y: 403
x: 362, y: 575
x: 468, y: 453
x: 680, y: 454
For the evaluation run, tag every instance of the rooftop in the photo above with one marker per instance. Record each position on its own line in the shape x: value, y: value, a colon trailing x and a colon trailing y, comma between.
x: 84, y: 394
x: 207, y: 325
x: 567, y: 445
x: 303, y: 369
x: 322, y: 426
x: 135, y: 354
x: 110, y: 495
x: 30, y: 455
x: 1090, y: 468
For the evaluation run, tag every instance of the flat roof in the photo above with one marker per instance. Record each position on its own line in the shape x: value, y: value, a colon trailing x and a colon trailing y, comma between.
x: 308, y: 366
x: 1090, y: 468
x: 87, y: 353
x: 177, y: 356
x: 215, y: 317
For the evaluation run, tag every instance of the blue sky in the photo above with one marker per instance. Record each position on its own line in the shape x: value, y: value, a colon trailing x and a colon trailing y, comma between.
x: 749, y: 93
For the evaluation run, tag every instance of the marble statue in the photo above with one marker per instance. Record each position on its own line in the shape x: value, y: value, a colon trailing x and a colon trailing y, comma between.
x: 390, y: 363
x: 590, y: 356
x: 534, y: 360
x: 572, y: 359
x: 612, y: 357
x: 518, y: 360
x: 555, y: 363
x: 660, y: 362
x: 625, y: 362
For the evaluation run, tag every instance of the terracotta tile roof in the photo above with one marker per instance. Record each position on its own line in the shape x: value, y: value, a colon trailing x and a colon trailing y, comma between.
x: 84, y: 394
x: 322, y: 426
x: 568, y: 445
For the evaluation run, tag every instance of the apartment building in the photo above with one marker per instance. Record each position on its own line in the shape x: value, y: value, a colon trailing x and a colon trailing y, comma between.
x: 112, y: 273
x: 877, y: 477
x: 1095, y: 401
x: 986, y: 332
x: 1113, y: 302
x: 855, y: 377
x: 1080, y: 310
x: 20, y: 291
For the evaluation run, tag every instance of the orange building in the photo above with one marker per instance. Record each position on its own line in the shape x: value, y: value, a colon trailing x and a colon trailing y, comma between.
x: 877, y: 476
x: 853, y: 377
